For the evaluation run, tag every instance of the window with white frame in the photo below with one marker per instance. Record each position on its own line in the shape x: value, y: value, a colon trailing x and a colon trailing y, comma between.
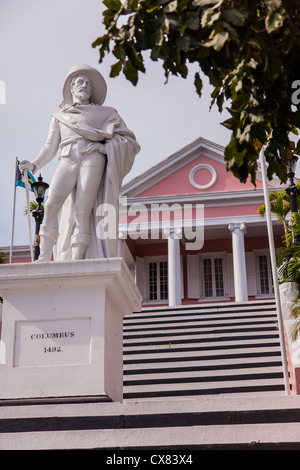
x: 213, y: 277
x: 157, y: 280
x: 264, y: 278
x: 210, y: 276
x: 263, y: 274
x: 207, y: 276
x: 152, y: 278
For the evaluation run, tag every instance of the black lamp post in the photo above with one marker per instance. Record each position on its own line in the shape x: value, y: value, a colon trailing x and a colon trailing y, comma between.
x: 39, y: 188
x: 292, y: 190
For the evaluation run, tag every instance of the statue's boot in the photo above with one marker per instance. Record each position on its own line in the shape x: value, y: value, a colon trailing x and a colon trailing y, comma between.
x: 48, y: 239
x: 79, y: 243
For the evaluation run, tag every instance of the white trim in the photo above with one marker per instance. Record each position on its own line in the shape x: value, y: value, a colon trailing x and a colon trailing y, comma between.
x: 148, y: 228
x: 210, y: 199
x: 203, y: 166
x: 265, y: 296
x: 237, y: 219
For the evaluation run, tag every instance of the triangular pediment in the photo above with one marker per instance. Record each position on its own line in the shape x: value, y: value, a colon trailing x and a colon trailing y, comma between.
x: 197, y: 168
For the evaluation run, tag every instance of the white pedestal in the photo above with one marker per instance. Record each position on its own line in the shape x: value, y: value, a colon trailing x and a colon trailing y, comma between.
x: 62, y: 330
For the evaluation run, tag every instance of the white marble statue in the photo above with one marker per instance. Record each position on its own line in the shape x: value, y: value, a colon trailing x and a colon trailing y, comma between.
x: 97, y: 151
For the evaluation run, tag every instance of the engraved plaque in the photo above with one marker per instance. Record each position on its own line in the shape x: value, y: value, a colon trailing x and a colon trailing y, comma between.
x: 52, y: 342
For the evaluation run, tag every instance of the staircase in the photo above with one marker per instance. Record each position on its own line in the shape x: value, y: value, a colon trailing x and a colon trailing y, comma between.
x: 211, y: 349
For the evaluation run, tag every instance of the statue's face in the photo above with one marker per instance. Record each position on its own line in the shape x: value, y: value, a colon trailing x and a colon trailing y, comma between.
x: 81, y: 88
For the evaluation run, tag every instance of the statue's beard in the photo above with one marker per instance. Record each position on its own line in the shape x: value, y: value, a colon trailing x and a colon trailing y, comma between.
x: 82, y: 94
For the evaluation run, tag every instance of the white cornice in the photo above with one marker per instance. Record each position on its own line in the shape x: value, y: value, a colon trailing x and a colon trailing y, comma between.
x: 144, y: 228
x: 23, y: 250
x: 211, y: 199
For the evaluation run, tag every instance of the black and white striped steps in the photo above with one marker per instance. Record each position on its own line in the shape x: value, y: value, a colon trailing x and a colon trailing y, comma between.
x: 230, y: 348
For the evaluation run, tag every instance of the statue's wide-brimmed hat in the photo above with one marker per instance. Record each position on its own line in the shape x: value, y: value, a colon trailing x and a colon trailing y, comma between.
x: 99, y: 88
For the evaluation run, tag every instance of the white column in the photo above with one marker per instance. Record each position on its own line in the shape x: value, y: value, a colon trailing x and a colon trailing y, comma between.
x: 174, y: 271
x: 239, y: 261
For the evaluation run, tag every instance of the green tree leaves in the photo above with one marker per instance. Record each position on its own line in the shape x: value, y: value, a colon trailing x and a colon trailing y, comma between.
x: 249, y: 50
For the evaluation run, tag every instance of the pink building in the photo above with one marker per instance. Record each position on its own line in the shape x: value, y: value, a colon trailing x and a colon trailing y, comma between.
x: 191, y: 194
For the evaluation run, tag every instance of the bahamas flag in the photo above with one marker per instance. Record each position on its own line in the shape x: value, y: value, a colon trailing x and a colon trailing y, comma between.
x: 20, y: 177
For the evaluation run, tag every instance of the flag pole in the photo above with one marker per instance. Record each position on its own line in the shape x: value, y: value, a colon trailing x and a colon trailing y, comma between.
x: 13, y: 215
x: 274, y: 271
x: 28, y: 213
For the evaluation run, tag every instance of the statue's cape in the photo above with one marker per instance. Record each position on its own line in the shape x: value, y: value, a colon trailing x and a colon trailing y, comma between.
x: 93, y: 122
x: 97, y: 123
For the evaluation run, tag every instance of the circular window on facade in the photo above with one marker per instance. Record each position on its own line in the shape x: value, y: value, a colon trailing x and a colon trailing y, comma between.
x: 203, y: 176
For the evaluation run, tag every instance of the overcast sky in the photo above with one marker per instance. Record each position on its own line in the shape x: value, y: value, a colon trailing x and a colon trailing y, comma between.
x: 39, y: 41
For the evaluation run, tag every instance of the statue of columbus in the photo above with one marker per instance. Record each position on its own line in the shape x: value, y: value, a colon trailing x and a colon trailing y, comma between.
x: 97, y: 152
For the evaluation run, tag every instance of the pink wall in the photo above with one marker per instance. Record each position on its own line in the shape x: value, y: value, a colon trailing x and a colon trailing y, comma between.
x: 21, y: 260
x: 178, y: 182
x: 224, y: 211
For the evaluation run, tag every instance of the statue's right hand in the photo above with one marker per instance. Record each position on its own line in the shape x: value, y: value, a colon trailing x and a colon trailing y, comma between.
x: 26, y: 165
